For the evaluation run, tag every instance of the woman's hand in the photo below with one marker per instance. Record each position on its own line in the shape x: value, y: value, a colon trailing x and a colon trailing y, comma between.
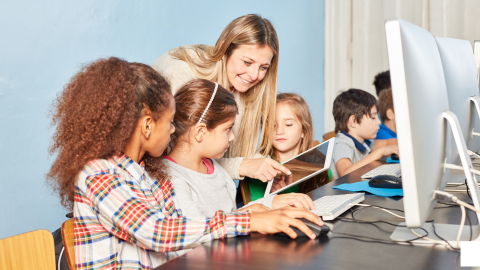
x: 293, y: 199
x: 263, y: 169
x: 280, y: 220
x: 254, y: 208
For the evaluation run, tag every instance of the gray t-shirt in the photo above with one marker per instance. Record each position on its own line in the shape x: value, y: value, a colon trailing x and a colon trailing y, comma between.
x: 345, y: 148
x: 200, y: 195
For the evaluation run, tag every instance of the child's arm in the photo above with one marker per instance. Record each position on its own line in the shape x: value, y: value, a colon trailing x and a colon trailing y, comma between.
x: 125, y: 214
x: 380, y: 143
x: 345, y: 166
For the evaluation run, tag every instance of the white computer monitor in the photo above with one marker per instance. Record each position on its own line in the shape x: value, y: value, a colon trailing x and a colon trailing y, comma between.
x: 462, y: 89
x: 476, y: 52
x: 424, y: 126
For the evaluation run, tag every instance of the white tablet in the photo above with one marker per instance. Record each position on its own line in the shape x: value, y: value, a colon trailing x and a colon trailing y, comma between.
x: 305, y: 166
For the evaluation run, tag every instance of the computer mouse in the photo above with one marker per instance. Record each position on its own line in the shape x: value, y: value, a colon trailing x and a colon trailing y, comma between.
x: 385, y: 181
x: 394, y: 157
x: 317, y: 230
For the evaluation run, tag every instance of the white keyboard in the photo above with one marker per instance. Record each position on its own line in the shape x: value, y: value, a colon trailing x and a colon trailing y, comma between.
x: 387, y: 169
x: 330, y: 207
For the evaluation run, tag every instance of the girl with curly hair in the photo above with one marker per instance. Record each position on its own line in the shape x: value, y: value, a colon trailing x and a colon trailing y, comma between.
x: 113, y: 121
x: 203, y: 130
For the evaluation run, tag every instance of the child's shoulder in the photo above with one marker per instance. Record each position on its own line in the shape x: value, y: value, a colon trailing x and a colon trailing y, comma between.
x: 97, y: 166
x: 342, y: 138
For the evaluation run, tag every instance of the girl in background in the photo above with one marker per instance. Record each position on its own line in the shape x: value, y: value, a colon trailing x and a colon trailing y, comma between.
x: 204, y: 120
x: 293, y: 134
x: 113, y: 121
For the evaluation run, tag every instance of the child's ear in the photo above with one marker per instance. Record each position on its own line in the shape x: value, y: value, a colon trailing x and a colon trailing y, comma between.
x: 199, y: 131
x: 147, y: 125
x: 352, y: 121
x: 390, y: 115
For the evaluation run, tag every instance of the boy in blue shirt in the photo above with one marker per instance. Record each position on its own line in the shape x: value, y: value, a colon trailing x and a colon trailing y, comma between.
x: 356, y: 124
x: 387, y: 134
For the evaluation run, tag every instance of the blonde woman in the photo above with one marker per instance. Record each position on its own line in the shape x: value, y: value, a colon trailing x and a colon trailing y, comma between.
x: 244, y: 60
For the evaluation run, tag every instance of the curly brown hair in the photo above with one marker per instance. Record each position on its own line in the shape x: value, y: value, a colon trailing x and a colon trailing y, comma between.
x: 96, y: 114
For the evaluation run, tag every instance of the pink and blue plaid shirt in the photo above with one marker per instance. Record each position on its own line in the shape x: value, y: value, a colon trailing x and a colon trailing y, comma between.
x: 124, y: 219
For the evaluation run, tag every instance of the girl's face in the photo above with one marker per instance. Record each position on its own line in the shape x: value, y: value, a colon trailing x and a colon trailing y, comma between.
x: 248, y: 65
x: 287, y: 133
x: 217, y: 140
x: 160, y: 135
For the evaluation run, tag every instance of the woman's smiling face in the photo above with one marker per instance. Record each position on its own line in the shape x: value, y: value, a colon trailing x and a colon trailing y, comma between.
x: 248, y: 65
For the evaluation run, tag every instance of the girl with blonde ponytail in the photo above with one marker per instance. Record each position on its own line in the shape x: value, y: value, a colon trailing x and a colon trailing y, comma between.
x: 244, y: 61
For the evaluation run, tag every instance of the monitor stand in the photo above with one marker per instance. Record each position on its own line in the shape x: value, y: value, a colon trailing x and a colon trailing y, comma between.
x: 458, y: 177
x: 448, y: 231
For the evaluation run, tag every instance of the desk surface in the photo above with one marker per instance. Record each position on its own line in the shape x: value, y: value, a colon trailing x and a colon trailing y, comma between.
x: 333, y: 251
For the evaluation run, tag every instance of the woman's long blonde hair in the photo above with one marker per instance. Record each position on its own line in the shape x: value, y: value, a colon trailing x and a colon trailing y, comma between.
x: 259, y: 101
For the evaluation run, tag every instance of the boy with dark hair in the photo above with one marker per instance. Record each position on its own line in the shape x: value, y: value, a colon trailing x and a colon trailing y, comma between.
x: 387, y: 134
x: 382, y: 82
x: 356, y: 123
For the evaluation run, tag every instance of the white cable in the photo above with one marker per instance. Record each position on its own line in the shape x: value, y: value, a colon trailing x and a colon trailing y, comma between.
x: 462, y: 223
x: 429, y: 239
x: 60, y: 258
x: 367, y: 205
x: 460, y: 168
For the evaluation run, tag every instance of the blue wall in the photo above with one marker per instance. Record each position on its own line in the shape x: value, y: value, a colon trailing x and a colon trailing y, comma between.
x: 43, y: 43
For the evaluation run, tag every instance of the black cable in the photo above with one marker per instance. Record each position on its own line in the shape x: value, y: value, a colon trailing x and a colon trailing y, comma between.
x: 468, y: 191
x: 380, y: 221
x: 433, y: 226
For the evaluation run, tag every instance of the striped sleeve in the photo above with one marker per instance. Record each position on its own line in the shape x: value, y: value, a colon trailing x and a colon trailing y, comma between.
x: 126, y: 214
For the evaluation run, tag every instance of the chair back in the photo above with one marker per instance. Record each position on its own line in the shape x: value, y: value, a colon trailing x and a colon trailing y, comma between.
x: 68, y: 242
x: 329, y: 135
x: 32, y: 250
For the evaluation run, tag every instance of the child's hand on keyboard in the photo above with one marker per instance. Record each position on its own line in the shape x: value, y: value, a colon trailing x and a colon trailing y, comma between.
x: 293, y: 199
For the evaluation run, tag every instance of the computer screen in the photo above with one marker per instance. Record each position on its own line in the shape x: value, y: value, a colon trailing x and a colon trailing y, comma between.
x: 304, y: 166
x: 419, y: 98
x: 425, y: 126
x: 461, y: 81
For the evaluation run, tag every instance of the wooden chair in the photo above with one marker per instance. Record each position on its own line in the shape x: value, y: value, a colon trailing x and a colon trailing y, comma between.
x: 32, y: 250
x: 329, y: 135
x: 68, y: 242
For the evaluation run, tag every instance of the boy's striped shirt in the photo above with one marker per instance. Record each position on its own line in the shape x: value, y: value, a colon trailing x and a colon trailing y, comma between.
x: 124, y: 219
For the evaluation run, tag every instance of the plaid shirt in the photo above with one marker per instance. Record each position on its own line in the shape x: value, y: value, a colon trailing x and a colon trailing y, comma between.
x: 124, y: 219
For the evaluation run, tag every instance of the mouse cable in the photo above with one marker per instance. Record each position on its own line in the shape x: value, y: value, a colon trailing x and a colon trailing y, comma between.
x: 447, y: 244
x: 447, y: 197
x: 381, y: 208
x: 419, y: 236
x: 361, y: 237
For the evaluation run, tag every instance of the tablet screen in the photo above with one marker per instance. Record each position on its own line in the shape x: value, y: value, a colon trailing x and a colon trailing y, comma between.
x: 303, y: 167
